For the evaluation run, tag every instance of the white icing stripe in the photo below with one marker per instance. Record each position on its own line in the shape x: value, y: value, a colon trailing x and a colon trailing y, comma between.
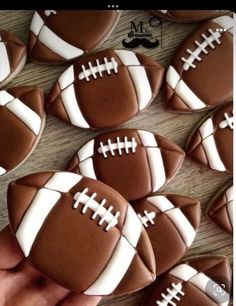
x: 114, y: 271
x: 132, y: 222
x: 34, y: 218
x: 25, y: 114
x: 230, y: 209
x: 172, y: 77
x: 163, y: 11
x: 5, y: 97
x: 147, y: 138
x: 161, y: 202
x: 206, y: 129
x: 225, y: 22
x: 201, y: 281
x: 5, y: 69
x: 86, y: 151
x: 86, y: 168
x: 142, y: 85
x: 67, y: 77
x: 156, y: 167
x: 36, y: 24
x: 188, y: 96
x: 183, y: 225
x: 63, y: 181
x: 212, y: 154
x: 184, y: 272
x: 58, y: 45
x: 72, y: 108
x: 128, y: 58
x: 2, y: 170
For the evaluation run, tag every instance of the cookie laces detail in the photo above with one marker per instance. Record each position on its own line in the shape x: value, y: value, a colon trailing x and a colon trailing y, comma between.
x: 229, y: 121
x: 89, y: 202
x: 122, y: 146
x: 172, y: 295
x: 201, y: 47
x: 99, y: 68
x: 49, y: 12
x: 148, y: 217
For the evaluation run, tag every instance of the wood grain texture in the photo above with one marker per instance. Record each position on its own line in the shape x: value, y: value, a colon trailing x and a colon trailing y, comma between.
x: 60, y: 141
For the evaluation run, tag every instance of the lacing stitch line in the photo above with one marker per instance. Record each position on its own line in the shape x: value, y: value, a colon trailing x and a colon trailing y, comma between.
x: 148, y: 217
x: 107, y: 66
x: 49, y: 12
x: 100, y: 209
x: 229, y: 121
x: 172, y: 294
x: 194, y: 55
x: 119, y: 145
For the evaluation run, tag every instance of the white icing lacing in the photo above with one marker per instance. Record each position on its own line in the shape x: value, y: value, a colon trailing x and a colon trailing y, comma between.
x: 172, y: 295
x: 148, y: 217
x: 107, y: 66
x: 49, y: 12
x: 89, y: 202
x: 201, y: 47
x: 119, y: 145
x: 229, y: 121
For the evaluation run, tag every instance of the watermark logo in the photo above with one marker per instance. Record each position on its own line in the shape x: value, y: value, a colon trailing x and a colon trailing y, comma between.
x: 217, y: 291
x: 140, y: 34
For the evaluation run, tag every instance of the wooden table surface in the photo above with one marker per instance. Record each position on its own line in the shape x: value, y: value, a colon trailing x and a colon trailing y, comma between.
x: 59, y: 140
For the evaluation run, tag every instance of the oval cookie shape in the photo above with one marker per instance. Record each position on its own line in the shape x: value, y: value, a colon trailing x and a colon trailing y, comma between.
x: 133, y: 162
x: 12, y: 56
x: 80, y: 233
x: 171, y: 221
x: 221, y: 208
x: 58, y: 36
x: 105, y: 89
x: 200, y: 76
x: 22, y: 119
x: 205, y: 279
x: 211, y: 143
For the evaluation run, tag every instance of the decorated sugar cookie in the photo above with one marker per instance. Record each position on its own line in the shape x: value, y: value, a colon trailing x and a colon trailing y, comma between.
x: 22, y: 119
x: 105, y: 89
x: 80, y: 233
x: 58, y: 36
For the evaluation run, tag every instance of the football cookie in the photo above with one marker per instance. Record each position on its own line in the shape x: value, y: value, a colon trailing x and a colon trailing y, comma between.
x: 221, y: 208
x: 133, y: 162
x: 21, y: 123
x: 105, y: 89
x: 201, y: 72
x: 64, y: 35
x: 186, y: 15
x: 12, y: 56
x: 201, y: 281
x: 80, y: 233
x: 171, y: 221
x: 211, y: 143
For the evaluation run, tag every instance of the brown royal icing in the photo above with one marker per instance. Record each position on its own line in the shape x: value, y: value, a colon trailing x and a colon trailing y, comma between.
x: 105, y: 89
x: 171, y: 221
x: 12, y: 56
x: 133, y: 162
x: 58, y: 36
x: 221, y: 208
x: 212, y: 141
x: 80, y: 233
x: 21, y: 123
x: 201, y: 72
x: 204, y: 280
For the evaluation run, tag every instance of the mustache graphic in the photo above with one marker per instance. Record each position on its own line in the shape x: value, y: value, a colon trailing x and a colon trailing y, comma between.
x: 136, y: 42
